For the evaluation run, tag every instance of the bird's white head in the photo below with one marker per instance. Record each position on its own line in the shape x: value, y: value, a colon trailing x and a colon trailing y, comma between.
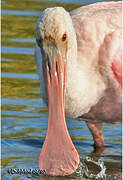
x: 55, y: 27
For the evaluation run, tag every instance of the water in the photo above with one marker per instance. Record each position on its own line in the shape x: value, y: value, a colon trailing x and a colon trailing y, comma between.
x: 24, y: 114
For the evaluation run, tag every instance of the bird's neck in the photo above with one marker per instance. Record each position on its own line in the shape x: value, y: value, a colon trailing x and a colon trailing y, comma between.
x: 84, y: 87
x: 72, y: 54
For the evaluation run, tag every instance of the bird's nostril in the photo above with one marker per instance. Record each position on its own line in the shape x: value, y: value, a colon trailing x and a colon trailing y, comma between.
x: 56, y: 67
x: 49, y: 65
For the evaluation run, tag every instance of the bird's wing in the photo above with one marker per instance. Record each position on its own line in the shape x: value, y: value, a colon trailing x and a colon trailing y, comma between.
x: 96, y: 6
x: 110, y: 56
x: 98, y: 31
x: 117, y: 70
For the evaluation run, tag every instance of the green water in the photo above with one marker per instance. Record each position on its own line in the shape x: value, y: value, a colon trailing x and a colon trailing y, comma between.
x: 24, y: 114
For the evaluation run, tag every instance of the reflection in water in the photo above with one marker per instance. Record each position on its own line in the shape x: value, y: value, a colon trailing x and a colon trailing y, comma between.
x: 17, y: 50
x: 20, y: 13
x: 24, y: 114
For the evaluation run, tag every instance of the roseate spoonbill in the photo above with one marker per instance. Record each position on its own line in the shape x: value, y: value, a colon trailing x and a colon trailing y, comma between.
x: 79, y: 65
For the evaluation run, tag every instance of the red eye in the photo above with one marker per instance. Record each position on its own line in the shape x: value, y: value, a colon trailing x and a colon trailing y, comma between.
x: 64, y: 37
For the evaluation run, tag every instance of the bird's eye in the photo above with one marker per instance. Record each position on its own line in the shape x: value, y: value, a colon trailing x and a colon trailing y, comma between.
x: 64, y: 37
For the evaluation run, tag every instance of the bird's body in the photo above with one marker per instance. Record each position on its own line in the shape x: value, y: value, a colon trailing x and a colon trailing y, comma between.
x: 87, y: 47
x: 96, y: 88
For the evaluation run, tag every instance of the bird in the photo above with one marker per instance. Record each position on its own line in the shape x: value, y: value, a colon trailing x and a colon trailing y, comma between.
x: 78, y: 55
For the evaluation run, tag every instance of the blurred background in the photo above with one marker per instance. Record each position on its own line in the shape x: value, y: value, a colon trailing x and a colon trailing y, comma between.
x: 24, y: 114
